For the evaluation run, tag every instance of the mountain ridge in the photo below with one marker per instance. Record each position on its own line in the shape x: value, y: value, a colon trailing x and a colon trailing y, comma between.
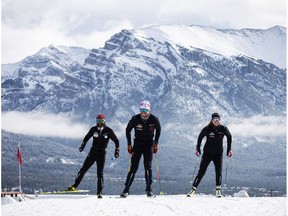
x: 247, y: 41
x: 132, y: 68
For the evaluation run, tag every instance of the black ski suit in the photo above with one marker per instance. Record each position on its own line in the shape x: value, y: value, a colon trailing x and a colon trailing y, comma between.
x: 212, y: 151
x: 143, y: 144
x: 97, y: 153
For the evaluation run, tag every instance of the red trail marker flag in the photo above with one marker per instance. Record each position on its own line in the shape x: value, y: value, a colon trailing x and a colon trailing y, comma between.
x: 19, y: 156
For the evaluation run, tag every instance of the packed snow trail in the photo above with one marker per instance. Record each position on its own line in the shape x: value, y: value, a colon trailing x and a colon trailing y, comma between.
x: 138, y: 205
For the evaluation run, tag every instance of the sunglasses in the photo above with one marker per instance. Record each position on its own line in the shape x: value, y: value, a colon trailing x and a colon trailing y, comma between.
x: 100, y: 121
x: 216, y: 120
x: 144, y: 110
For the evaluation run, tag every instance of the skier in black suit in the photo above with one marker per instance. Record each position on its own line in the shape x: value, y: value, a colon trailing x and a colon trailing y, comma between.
x: 147, y: 131
x: 101, y: 135
x: 213, y: 151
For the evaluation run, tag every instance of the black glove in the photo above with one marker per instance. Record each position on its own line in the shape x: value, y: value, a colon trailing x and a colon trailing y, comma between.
x: 116, y: 153
x: 81, y: 148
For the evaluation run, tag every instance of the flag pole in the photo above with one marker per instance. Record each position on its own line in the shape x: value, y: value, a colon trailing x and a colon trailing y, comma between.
x: 20, y: 188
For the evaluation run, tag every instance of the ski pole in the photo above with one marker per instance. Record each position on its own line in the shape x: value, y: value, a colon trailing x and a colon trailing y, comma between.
x: 158, y: 173
x: 197, y: 165
x: 129, y: 162
x: 226, y: 171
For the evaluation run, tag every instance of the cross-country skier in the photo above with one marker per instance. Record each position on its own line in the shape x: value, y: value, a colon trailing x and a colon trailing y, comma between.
x: 147, y: 131
x: 101, y: 135
x: 212, y: 151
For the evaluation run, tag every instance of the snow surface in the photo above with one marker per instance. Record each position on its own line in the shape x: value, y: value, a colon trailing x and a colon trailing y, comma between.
x: 256, y: 43
x: 138, y: 205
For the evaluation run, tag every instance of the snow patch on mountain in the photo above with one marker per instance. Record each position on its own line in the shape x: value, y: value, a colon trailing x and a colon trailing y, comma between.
x: 255, y: 43
x: 56, y: 57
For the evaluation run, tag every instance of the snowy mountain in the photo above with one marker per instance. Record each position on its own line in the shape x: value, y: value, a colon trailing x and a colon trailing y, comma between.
x: 187, y: 73
x: 267, y: 45
x: 192, y: 70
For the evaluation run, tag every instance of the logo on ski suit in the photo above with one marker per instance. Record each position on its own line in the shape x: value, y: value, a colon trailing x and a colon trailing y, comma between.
x: 211, y: 135
x: 139, y: 127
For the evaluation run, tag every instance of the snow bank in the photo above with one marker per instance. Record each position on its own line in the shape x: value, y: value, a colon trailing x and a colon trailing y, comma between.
x: 241, y: 193
x: 7, y: 200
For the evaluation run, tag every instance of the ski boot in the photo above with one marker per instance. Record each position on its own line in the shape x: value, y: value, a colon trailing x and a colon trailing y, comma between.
x: 72, y: 188
x: 149, y: 192
x: 125, y: 193
x: 192, y: 192
x: 218, y: 192
x: 99, y: 195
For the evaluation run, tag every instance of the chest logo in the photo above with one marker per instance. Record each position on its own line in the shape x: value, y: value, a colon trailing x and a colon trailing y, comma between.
x: 96, y: 135
x: 211, y: 135
x: 139, y: 127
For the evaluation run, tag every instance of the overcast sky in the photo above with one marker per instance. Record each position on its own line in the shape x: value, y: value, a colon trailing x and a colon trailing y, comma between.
x: 29, y: 25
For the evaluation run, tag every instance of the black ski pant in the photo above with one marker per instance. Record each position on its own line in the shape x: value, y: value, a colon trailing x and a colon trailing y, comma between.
x: 140, y: 149
x: 205, y: 161
x: 99, y: 158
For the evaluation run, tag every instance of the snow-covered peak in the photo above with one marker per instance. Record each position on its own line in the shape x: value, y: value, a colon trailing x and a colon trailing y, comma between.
x: 255, y: 43
x: 54, y: 56
x: 77, y: 54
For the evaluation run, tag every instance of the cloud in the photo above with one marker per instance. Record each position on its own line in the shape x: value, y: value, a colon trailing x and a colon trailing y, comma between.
x: 259, y: 126
x: 24, y: 42
x: 40, y: 124
x: 61, y: 125
x: 28, y: 26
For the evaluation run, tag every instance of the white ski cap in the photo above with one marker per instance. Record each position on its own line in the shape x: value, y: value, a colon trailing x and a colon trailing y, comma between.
x: 145, y: 105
